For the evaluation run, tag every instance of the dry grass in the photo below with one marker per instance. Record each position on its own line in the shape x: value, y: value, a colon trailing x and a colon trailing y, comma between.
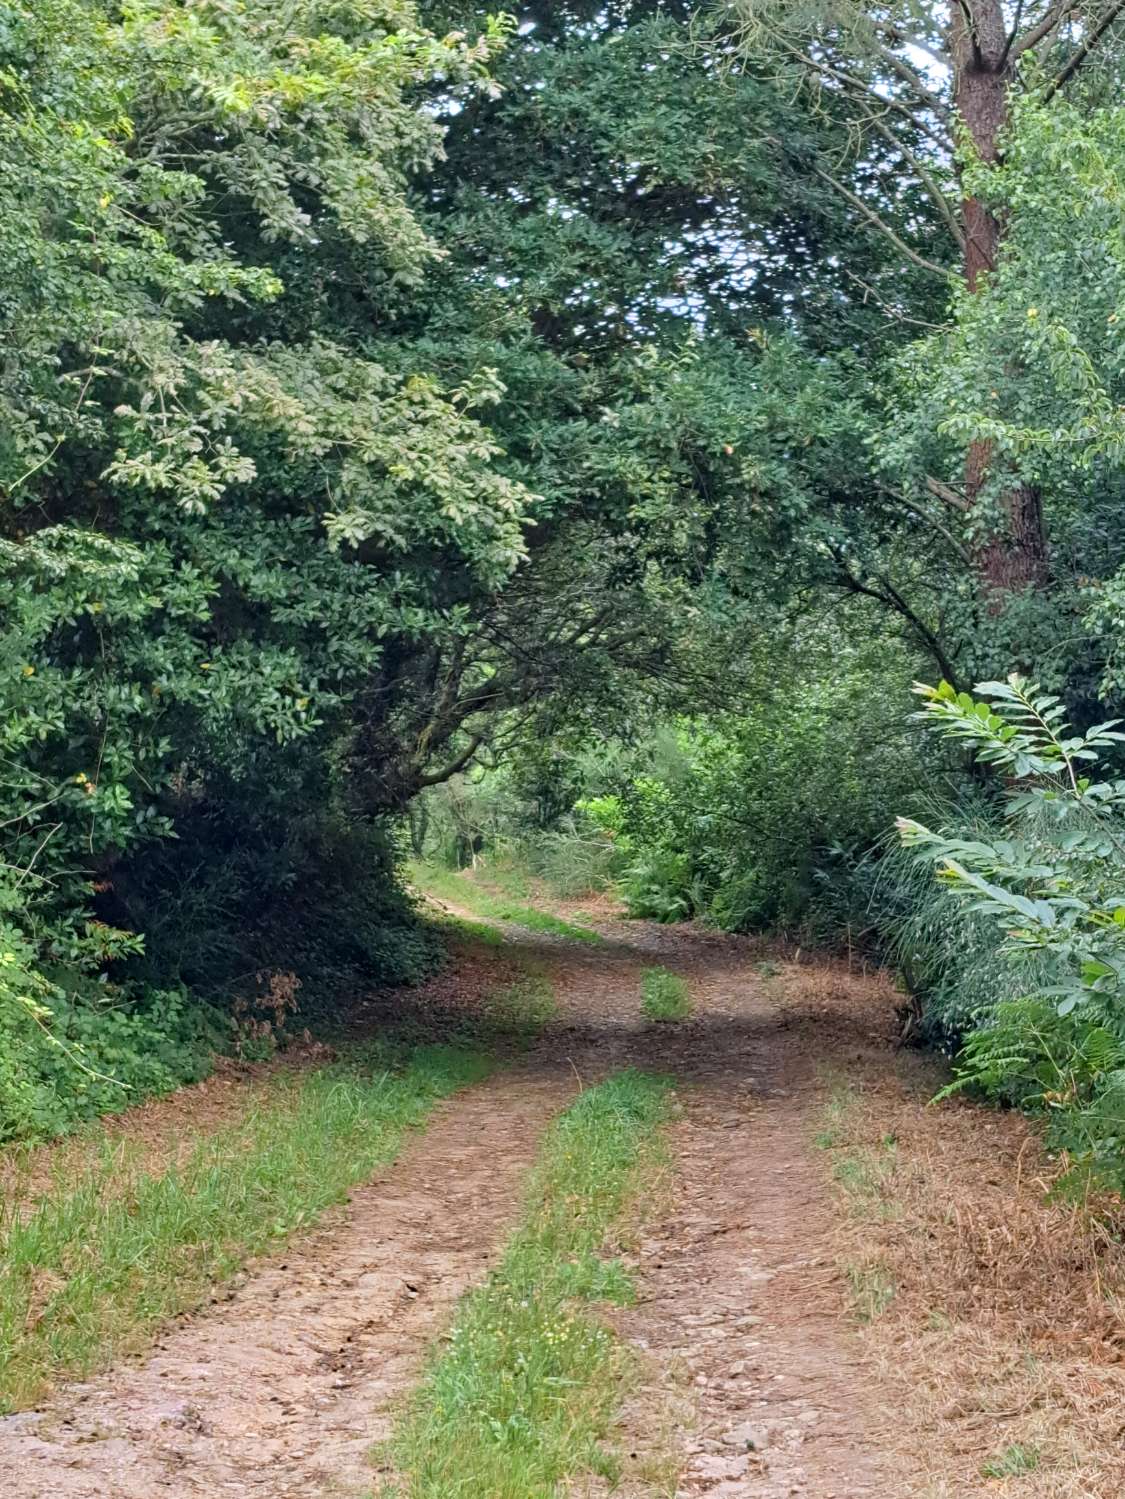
x: 1003, y: 1342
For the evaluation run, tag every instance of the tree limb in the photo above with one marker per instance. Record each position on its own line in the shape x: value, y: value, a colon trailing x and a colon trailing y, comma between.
x: 1010, y: 39
x: 850, y: 81
x: 890, y: 598
x: 892, y: 312
x: 885, y: 228
x: 1018, y: 45
x: 1088, y: 45
x: 942, y: 203
x: 436, y: 777
x: 943, y: 492
x: 913, y: 80
x: 931, y: 520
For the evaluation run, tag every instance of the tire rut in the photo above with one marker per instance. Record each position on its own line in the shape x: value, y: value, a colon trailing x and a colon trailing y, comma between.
x: 281, y: 1390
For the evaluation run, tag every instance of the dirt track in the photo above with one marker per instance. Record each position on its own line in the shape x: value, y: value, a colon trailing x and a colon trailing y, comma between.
x: 281, y: 1389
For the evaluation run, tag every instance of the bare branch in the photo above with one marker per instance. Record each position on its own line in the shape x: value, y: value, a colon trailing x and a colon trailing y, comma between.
x: 1089, y: 44
x: 1010, y: 39
x: 947, y: 494
x: 931, y: 520
x: 884, y: 593
x: 914, y: 80
x: 892, y: 312
x: 436, y: 777
x: 942, y: 203
x: 898, y: 36
x: 1056, y: 13
x: 885, y: 228
x: 850, y: 81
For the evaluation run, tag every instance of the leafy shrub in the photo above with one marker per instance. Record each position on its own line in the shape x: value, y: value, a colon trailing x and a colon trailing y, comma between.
x: 659, y: 887
x: 317, y: 895
x: 1052, y: 888
x: 72, y: 1049
x: 767, y: 818
x: 946, y: 952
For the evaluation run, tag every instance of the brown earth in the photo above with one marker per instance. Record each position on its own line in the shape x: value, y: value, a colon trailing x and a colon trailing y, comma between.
x: 757, y: 1381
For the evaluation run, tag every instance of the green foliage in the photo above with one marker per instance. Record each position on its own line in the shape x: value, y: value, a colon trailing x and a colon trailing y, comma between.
x: 124, y: 1250
x: 1015, y: 1460
x: 1051, y: 890
x: 523, y: 1396
x: 72, y: 1048
x: 664, y: 995
x: 758, y: 819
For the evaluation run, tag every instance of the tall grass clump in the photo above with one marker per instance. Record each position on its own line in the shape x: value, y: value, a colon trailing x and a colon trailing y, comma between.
x: 664, y: 995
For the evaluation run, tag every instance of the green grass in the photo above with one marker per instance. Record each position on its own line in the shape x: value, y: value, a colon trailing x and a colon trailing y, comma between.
x: 1012, y: 1462
x: 471, y: 931
x: 524, y: 1393
x: 866, y: 1173
x: 664, y: 995
x: 447, y: 884
x: 95, y: 1267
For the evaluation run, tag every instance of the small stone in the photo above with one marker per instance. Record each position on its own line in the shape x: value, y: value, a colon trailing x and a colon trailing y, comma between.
x: 748, y: 1436
x: 706, y: 1466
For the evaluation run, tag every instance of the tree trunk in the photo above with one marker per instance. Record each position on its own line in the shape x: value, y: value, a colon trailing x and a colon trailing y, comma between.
x: 1015, y: 557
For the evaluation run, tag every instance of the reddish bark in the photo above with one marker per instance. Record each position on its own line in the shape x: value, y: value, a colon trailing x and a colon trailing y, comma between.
x: 1016, y: 556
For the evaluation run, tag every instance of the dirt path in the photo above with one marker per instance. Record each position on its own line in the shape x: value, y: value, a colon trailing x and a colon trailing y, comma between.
x: 280, y: 1390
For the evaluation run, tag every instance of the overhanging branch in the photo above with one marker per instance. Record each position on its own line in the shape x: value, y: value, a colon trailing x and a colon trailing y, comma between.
x: 1089, y: 43
x: 884, y: 228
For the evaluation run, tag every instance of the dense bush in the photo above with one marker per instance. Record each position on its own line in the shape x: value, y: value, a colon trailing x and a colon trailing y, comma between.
x: 71, y: 1048
x: 762, y: 819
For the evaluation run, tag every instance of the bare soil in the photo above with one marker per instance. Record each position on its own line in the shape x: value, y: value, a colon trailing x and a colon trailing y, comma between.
x: 756, y: 1379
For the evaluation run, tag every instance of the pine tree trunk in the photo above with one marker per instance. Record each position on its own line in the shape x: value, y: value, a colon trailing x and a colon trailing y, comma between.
x: 1015, y: 557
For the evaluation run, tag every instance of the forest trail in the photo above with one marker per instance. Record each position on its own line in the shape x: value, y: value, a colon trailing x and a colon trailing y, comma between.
x: 752, y: 1372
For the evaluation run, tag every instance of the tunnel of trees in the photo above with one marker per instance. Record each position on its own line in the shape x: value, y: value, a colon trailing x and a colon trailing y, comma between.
x: 567, y: 434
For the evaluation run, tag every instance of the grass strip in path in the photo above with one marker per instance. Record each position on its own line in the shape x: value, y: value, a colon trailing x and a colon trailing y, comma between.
x: 447, y: 884
x: 523, y: 1394
x: 101, y: 1263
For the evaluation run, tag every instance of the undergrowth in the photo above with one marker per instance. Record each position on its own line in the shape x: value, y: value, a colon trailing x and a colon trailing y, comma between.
x: 68, y: 1055
x: 664, y: 995
x: 523, y: 1395
x: 88, y: 1272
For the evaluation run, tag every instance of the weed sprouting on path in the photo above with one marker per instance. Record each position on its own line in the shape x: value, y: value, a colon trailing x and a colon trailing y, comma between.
x: 664, y: 995
x: 446, y: 884
x: 94, y: 1268
x: 524, y: 1393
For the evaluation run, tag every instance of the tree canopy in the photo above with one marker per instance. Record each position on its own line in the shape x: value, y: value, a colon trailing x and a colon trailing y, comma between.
x: 391, y: 390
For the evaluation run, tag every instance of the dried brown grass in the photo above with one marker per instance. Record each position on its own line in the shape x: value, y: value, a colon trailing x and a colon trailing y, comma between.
x: 1007, y: 1323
